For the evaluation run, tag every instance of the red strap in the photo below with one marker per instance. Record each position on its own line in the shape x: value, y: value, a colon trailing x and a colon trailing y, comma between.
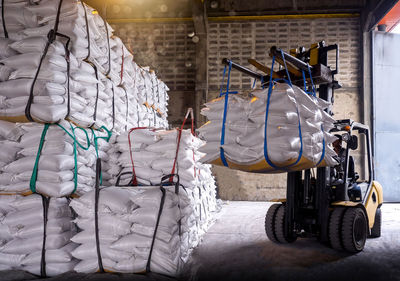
x: 134, y: 180
x: 190, y: 111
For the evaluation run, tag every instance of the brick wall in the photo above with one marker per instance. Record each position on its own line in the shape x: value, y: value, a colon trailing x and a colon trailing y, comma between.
x: 243, y: 40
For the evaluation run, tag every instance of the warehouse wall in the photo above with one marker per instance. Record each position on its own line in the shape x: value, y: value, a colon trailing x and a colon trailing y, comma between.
x: 242, y: 40
x: 168, y: 49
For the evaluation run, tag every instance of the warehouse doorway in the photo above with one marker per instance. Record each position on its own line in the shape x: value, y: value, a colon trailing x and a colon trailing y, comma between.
x: 386, y: 104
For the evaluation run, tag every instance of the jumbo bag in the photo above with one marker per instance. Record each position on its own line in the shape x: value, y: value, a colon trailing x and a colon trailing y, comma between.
x: 278, y: 129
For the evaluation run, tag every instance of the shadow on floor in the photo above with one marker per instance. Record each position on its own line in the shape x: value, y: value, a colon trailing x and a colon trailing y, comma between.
x: 306, y: 260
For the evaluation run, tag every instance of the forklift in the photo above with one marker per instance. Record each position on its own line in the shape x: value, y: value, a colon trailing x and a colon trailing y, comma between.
x: 329, y: 203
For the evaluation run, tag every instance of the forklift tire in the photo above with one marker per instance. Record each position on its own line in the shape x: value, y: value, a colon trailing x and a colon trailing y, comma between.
x: 376, y: 229
x: 270, y: 222
x: 335, y: 227
x: 280, y: 227
x: 354, y: 229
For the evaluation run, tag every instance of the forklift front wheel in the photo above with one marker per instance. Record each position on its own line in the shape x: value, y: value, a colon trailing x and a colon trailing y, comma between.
x: 270, y: 222
x: 280, y: 227
x: 335, y: 227
x: 354, y: 229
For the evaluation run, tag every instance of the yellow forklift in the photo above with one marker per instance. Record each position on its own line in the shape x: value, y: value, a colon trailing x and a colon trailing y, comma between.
x: 331, y: 203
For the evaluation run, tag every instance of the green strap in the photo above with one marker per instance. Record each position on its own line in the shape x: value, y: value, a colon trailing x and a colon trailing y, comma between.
x: 75, y: 160
x: 95, y: 138
x: 32, y: 183
x: 109, y: 134
x: 74, y: 138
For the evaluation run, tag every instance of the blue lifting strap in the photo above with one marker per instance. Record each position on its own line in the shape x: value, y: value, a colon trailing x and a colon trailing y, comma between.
x: 226, y: 94
x: 266, y: 120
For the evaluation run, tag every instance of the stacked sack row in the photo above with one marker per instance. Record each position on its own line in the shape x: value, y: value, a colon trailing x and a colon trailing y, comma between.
x: 80, y: 71
x: 67, y: 84
x: 54, y: 160
x: 24, y: 241
x: 143, y: 156
x: 40, y: 163
x: 277, y: 129
x: 137, y: 229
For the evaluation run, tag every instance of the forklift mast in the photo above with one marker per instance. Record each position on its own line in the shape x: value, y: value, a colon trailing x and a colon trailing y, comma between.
x: 302, y: 193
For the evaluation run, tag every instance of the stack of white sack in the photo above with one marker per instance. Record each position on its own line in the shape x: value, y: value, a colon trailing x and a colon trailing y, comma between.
x: 153, y: 155
x: 10, y: 134
x: 295, y: 135
x: 145, y: 95
x: 65, y: 164
x: 102, y: 75
x: 127, y: 223
x: 23, y: 243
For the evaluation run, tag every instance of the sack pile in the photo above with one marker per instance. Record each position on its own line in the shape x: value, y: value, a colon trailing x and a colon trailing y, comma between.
x: 35, y: 235
x: 287, y: 130
x: 86, y: 75
x: 139, y: 230
x: 54, y: 160
x: 153, y: 156
x: 66, y: 83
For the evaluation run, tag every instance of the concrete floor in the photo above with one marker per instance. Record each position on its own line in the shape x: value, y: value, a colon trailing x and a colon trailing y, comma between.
x: 236, y: 248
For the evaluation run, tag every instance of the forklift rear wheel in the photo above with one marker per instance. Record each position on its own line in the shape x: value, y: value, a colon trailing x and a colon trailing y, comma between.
x: 270, y: 222
x: 280, y: 234
x: 376, y: 229
x: 335, y: 227
x: 354, y: 229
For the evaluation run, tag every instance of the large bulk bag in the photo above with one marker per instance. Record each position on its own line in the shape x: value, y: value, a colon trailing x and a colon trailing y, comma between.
x: 277, y: 129
x: 143, y: 155
x: 54, y: 160
x: 136, y: 229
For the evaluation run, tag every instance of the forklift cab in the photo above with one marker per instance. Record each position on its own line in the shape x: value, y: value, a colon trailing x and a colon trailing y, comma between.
x: 338, y: 206
x: 345, y: 181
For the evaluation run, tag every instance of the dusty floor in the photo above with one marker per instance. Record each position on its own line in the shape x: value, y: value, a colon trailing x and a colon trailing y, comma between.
x: 236, y: 248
